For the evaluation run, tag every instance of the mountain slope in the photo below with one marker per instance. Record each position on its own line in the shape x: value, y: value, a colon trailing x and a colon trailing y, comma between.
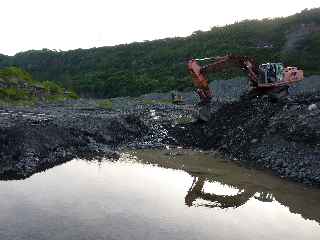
x: 160, y: 65
x: 18, y: 88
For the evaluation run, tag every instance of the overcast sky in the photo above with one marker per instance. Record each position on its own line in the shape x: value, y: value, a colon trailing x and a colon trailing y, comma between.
x: 71, y: 24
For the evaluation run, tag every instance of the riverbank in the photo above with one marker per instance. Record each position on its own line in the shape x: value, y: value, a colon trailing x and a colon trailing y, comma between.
x: 34, y: 139
x: 281, y: 136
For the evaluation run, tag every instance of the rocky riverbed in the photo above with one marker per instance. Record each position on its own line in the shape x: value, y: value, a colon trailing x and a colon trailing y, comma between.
x: 34, y: 139
x: 282, y: 136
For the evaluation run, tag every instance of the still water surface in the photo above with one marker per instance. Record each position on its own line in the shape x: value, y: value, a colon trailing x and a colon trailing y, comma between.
x: 157, y: 195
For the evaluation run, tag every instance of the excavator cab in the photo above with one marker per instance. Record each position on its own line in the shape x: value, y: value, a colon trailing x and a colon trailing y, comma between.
x: 271, y: 73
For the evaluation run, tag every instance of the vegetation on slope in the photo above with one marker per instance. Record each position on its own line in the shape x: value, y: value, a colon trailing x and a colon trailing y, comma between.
x: 160, y: 65
x: 18, y: 87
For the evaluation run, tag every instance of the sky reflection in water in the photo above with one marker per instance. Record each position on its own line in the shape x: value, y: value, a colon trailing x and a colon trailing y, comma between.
x: 130, y: 199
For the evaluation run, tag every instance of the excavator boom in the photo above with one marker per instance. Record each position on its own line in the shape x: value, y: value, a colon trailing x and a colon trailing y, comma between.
x: 199, y: 73
x: 200, y: 81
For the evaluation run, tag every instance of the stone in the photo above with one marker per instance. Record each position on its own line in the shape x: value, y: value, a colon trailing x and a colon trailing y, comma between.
x: 312, y: 107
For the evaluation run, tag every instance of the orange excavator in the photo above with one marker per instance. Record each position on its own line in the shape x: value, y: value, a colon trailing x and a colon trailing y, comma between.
x: 271, y: 79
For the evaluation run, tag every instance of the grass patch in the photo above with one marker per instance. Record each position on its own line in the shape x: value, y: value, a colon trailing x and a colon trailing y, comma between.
x: 72, y: 95
x: 165, y: 101
x: 148, y: 101
x: 161, y: 101
x: 52, y: 88
x: 184, y: 120
x: 13, y: 94
x: 105, y: 104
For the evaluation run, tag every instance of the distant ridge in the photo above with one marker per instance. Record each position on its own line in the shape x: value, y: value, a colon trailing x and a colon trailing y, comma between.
x: 159, y: 65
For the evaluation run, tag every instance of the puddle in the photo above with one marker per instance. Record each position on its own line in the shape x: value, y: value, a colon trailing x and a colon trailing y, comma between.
x: 157, y: 195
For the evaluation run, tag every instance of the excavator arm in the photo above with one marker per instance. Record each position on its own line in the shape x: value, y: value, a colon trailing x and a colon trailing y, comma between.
x: 200, y: 81
x: 199, y: 73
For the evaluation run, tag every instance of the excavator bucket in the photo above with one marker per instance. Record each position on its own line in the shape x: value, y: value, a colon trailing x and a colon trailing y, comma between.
x: 204, y: 113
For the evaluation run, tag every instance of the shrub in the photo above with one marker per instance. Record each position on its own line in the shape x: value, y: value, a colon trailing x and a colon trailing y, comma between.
x: 15, y: 72
x: 52, y: 87
x: 14, y: 94
x: 106, y: 104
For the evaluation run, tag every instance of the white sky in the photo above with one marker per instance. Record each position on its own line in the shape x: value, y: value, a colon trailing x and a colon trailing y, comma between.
x: 71, y: 24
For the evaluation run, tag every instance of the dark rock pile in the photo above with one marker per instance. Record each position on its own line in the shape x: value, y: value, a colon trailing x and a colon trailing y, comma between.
x: 283, y: 136
x: 31, y: 141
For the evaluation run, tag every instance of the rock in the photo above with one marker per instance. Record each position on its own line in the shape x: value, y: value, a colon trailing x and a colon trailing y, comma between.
x: 312, y: 107
x: 295, y: 107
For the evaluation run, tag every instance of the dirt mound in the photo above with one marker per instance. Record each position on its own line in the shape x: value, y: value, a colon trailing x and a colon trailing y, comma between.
x: 31, y: 142
x: 283, y: 136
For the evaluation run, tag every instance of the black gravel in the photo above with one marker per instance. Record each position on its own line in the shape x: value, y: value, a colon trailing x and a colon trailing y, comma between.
x: 283, y: 136
x: 32, y: 140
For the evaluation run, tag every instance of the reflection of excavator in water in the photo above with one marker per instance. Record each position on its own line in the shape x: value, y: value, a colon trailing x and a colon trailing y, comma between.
x: 221, y: 201
x: 271, y: 79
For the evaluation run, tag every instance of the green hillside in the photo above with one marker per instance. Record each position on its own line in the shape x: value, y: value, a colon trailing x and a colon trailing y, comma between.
x: 17, y: 87
x: 160, y: 65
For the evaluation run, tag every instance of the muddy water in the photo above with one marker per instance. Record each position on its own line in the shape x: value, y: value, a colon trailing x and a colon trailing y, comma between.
x: 157, y: 195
